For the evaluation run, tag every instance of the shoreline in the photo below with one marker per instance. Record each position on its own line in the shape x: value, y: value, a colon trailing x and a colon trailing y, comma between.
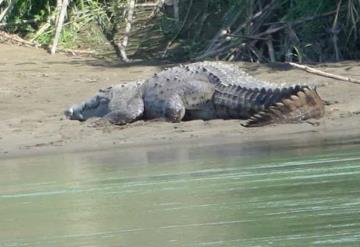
x: 307, y: 137
x: 37, y: 87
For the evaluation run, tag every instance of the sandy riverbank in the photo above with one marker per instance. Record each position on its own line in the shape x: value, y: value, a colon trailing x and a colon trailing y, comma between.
x: 35, y: 88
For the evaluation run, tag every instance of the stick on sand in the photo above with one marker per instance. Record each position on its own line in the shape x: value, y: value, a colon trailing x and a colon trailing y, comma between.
x: 322, y: 73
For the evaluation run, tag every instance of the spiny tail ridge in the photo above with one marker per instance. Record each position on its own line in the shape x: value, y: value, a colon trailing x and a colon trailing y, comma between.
x: 304, y: 104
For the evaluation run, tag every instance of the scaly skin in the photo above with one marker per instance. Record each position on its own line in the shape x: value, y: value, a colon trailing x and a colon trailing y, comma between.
x: 205, y: 90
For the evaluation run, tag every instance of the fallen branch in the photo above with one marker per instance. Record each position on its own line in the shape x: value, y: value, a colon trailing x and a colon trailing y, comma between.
x: 139, y: 5
x: 17, y: 39
x: 325, y: 74
x: 76, y: 52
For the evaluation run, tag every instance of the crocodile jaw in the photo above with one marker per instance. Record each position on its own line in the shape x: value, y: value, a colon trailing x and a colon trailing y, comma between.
x: 97, y: 106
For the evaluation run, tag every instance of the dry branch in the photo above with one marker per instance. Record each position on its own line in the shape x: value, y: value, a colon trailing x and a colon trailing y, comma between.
x: 76, y: 52
x: 322, y: 73
x: 14, y: 38
x: 59, y: 25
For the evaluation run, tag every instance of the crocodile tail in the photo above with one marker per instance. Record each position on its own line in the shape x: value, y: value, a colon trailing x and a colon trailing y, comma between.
x: 302, y: 105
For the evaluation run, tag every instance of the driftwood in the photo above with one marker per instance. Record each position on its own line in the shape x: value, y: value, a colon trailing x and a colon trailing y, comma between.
x: 17, y: 39
x: 322, y: 73
x: 76, y: 52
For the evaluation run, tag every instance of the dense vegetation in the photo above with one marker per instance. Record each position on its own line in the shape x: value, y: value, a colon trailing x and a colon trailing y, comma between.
x: 251, y: 30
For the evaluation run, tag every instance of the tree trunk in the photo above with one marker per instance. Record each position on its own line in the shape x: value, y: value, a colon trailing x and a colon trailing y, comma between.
x: 122, y: 46
x: 176, y: 11
x: 59, y: 25
x: 8, y: 9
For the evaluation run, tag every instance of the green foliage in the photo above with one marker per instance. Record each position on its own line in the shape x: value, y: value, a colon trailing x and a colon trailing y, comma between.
x: 296, y: 9
x: 36, y: 11
x: 308, y: 29
x: 81, y: 17
x: 305, y: 30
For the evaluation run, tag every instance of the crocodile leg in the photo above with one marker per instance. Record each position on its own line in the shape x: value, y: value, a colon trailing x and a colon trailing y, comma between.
x: 131, y: 113
x: 174, y: 109
x: 171, y: 108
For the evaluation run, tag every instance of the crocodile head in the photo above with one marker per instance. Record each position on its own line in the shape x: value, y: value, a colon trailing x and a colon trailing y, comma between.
x: 97, y: 106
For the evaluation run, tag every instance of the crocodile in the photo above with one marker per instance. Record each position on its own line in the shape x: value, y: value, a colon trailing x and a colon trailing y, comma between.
x: 203, y: 90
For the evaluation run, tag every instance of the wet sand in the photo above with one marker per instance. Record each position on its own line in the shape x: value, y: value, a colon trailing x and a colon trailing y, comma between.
x: 35, y: 88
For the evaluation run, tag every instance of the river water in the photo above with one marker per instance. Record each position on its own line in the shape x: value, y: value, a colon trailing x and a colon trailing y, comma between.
x: 264, y: 194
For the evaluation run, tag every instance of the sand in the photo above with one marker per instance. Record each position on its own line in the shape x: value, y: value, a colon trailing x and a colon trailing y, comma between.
x: 36, y: 87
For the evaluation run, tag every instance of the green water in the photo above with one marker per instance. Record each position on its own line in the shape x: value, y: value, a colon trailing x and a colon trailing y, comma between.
x: 220, y: 195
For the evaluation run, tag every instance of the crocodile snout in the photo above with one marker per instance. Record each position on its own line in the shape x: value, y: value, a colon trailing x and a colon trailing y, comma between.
x: 73, y: 114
